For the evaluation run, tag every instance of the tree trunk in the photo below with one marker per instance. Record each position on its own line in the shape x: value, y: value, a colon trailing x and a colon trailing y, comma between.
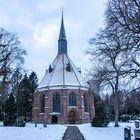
x: 116, y: 102
x: 116, y: 110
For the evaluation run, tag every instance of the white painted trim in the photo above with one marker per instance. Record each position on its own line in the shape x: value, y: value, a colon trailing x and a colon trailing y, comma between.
x: 61, y: 87
x: 54, y: 113
x: 47, y: 107
x: 86, y: 113
x: 72, y: 106
x: 41, y: 113
x: 35, y: 108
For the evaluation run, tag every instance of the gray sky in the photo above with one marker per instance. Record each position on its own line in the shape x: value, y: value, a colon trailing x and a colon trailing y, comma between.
x: 37, y: 22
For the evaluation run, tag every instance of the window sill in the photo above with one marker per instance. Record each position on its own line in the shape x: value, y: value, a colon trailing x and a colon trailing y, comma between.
x: 86, y: 112
x: 41, y: 113
x: 72, y: 106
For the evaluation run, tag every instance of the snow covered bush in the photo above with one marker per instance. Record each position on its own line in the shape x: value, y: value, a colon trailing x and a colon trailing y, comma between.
x: 100, y: 122
x: 20, y: 121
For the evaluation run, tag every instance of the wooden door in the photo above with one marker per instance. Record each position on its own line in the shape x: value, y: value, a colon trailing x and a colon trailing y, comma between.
x: 72, y: 117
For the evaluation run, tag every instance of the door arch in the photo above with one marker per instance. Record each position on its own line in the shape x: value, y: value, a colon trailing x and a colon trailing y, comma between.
x: 72, y: 117
x: 54, y: 119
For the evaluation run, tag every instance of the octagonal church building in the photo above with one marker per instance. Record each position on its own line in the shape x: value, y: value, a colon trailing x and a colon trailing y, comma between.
x: 63, y: 94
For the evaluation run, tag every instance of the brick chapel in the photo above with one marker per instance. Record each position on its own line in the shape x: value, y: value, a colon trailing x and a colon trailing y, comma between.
x: 63, y: 94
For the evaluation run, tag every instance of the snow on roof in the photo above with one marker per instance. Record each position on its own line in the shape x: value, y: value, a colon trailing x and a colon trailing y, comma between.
x: 55, y: 113
x: 60, y: 77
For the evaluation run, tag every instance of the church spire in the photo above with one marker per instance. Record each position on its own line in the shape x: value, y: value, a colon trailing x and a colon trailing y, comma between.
x: 62, y: 42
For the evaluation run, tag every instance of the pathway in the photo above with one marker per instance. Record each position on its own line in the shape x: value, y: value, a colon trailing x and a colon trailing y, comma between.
x: 73, y: 133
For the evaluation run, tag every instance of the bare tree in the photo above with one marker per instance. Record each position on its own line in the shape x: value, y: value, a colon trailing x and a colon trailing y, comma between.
x: 124, y: 15
x: 117, y: 47
x: 11, y: 58
x: 111, y: 60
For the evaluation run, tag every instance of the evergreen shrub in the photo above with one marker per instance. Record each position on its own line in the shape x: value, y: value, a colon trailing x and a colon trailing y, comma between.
x: 10, y: 111
x: 101, y: 116
x: 20, y: 121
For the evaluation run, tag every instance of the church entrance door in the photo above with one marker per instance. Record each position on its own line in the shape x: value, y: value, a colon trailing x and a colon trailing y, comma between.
x: 72, y: 117
x: 54, y: 119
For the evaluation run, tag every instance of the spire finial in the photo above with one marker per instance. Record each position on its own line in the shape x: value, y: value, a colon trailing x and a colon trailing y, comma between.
x: 62, y: 12
x: 62, y: 34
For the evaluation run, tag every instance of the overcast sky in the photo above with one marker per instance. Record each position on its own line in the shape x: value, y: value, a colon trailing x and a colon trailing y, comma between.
x: 37, y: 22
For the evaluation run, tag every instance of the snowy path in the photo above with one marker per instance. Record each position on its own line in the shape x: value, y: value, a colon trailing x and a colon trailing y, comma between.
x: 73, y: 133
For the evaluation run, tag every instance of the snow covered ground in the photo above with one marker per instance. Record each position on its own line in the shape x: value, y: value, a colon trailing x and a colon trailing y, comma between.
x: 55, y: 132
x: 51, y: 132
x: 106, y: 133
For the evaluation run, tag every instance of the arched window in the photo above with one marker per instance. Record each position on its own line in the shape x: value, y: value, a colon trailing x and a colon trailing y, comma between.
x: 72, y: 99
x: 56, y: 102
x: 86, y: 103
x: 42, y: 103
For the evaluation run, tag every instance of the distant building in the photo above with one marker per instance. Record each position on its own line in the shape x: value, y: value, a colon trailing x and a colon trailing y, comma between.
x: 63, y: 94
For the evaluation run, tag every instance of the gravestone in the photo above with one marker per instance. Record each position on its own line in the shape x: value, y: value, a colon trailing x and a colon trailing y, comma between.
x: 127, y: 133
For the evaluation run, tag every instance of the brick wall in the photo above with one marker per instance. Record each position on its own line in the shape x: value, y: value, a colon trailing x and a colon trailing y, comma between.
x: 63, y: 117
